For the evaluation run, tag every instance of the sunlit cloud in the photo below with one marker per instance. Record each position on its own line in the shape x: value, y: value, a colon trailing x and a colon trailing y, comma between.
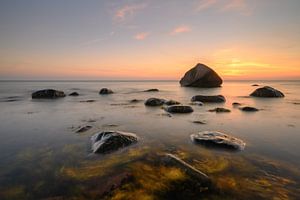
x: 141, y: 36
x: 205, y: 4
x: 181, y: 29
x: 128, y: 10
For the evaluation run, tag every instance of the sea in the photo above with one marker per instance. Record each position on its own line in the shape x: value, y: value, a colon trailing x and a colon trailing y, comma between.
x: 42, y: 156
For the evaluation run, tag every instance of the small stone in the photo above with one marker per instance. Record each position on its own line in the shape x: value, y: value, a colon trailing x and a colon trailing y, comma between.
x: 179, y: 109
x: 220, y: 110
x: 209, y: 99
x: 152, y: 90
x: 74, y: 94
x: 172, y: 102
x: 236, y: 104
x: 267, y: 92
x: 249, y: 109
x: 154, y: 102
x: 105, y: 91
x: 47, y: 94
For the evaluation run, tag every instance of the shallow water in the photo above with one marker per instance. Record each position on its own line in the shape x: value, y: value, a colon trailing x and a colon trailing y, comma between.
x: 42, y: 156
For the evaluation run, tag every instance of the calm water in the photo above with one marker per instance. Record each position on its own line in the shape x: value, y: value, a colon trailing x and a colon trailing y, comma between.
x: 41, y: 156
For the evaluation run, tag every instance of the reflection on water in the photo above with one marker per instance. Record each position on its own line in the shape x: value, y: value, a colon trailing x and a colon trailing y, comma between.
x: 42, y: 156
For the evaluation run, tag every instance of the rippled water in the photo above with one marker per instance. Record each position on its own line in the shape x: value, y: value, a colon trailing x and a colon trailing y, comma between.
x: 42, y: 156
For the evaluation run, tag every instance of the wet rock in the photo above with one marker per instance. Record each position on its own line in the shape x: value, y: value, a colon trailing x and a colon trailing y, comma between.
x: 74, y: 94
x: 47, y: 94
x: 220, y: 110
x: 152, y: 90
x: 255, y: 85
x: 218, y: 139
x: 109, y: 141
x: 249, y: 109
x: 154, y: 102
x: 172, y: 160
x: 172, y: 102
x: 179, y: 109
x: 209, y: 99
x: 84, y: 129
x: 236, y: 104
x: 201, y: 76
x: 267, y: 92
x: 104, y: 91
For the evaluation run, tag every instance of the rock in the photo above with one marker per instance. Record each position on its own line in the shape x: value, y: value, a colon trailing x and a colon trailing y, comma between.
x: 220, y: 110
x: 236, y: 104
x: 209, y: 99
x: 106, y: 91
x: 171, y: 102
x: 255, y: 85
x: 249, y: 109
x: 198, y: 122
x: 152, y: 90
x: 74, y: 94
x: 267, y: 92
x: 179, y: 109
x: 197, y: 103
x: 109, y: 141
x: 174, y: 161
x: 218, y: 139
x: 135, y: 101
x: 84, y: 129
x: 154, y: 102
x: 88, y: 101
x: 47, y: 94
x: 201, y: 76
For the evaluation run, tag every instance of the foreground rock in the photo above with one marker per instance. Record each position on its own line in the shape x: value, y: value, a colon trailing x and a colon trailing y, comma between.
x: 172, y: 160
x: 154, y: 102
x: 109, y: 141
x: 47, y: 94
x: 201, y: 76
x: 179, y: 109
x: 267, y: 92
x: 218, y: 139
x: 152, y: 90
x: 105, y: 91
x: 74, y: 94
x: 249, y: 109
x: 220, y: 110
x: 209, y: 99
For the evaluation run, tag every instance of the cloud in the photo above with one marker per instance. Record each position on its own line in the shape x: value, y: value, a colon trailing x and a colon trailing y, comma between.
x: 128, y: 10
x: 141, y: 36
x: 204, y: 4
x: 181, y: 29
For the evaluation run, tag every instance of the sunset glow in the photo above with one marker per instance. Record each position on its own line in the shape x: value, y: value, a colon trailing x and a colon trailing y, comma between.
x: 240, y: 39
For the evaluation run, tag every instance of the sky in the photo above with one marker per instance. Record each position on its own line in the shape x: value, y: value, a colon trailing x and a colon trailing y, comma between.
x: 148, y: 39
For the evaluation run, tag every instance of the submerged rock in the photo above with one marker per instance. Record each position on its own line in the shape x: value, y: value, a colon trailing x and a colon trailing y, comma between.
x: 74, y: 94
x: 106, y: 91
x: 88, y: 101
x: 154, y: 102
x: 135, y: 100
x: 209, y: 99
x: 197, y: 103
x: 255, y: 85
x: 179, y: 109
x: 84, y: 129
x: 249, y: 109
x: 220, y: 110
x: 218, y: 139
x: 201, y: 76
x: 109, y: 141
x: 47, y: 94
x: 267, y: 92
x: 172, y: 102
x: 152, y: 90
x: 198, y: 122
x: 172, y: 160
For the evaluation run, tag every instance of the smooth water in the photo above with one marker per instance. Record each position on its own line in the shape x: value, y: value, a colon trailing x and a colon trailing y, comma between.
x: 42, y: 156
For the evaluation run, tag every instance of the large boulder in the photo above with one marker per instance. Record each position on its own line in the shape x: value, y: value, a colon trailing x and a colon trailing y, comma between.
x: 218, y: 139
x: 47, y: 94
x: 209, y: 99
x: 154, y: 102
x: 267, y: 92
x: 201, y: 76
x: 109, y: 141
x: 179, y: 109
